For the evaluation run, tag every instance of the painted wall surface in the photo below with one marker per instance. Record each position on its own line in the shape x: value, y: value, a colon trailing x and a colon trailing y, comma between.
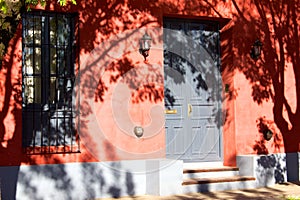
x: 119, y: 91
x: 266, y: 90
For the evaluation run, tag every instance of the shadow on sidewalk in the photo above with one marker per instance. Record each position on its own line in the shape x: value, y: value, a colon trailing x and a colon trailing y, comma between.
x: 276, y: 192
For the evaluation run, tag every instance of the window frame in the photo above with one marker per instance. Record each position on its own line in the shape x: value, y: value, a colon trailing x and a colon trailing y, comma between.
x: 47, y: 109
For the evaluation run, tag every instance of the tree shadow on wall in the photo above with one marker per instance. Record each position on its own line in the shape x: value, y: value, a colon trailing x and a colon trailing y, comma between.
x: 113, y: 60
x: 99, y: 23
x: 75, y: 181
x: 12, y: 155
x: 10, y: 150
x: 267, y: 132
x: 142, y: 89
x: 274, y: 76
x: 271, y: 167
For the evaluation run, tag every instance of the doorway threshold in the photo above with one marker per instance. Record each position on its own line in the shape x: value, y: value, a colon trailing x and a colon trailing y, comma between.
x: 196, y: 165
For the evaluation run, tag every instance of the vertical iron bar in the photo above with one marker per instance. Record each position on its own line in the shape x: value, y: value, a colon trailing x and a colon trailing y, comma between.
x: 46, y: 80
x: 56, y: 68
x: 24, y: 136
x: 77, y: 47
x: 43, y: 60
x: 33, y: 78
x: 48, y: 89
x: 72, y: 66
x: 64, y: 91
x: 56, y: 107
x: 66, y: 56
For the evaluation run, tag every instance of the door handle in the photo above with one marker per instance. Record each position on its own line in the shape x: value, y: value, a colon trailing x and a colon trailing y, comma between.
x: 173, y: 111
x: 190, y: 109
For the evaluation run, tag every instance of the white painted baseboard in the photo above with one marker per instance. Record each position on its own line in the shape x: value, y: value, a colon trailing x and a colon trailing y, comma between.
x: 92, y: 180
x: 270, y: 169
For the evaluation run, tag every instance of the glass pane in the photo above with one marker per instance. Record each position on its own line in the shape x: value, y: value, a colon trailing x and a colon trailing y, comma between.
x: 53, y: 30
x: 28, y: 33
x: 70, y: 64
x: 63, y: 31
x: 37, y: 60
x: 52, y: 89
x: 28, y: 60
x: 28, y: 36
x: 68, y: 93
x: 37, y: 89
x: 33, y: 30
x: 61, y: 62
x: 32, y: 90
x: 60, y: 91
x: 37, y: 30
x: 53, y: 57
x: 29, y: 90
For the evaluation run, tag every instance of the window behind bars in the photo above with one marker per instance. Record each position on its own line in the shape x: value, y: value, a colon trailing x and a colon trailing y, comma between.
x: 49, y: 56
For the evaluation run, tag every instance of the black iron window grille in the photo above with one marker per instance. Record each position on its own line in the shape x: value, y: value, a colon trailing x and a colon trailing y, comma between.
x: 49, y: 56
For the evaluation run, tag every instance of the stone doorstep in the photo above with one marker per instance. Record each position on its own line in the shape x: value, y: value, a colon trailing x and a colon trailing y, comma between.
x: 215, y: 169
x: 209, y: 180
x: 217, y: 180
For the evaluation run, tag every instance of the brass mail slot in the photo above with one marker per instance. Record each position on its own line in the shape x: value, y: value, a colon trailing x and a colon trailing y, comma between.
x: 174, y: 111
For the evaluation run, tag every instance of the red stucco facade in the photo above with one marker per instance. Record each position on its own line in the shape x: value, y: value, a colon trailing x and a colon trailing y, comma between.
x: 110, y: 61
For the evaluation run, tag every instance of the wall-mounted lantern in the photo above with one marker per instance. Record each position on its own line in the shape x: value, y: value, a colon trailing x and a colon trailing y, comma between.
x: 256, y: 50
x: 145, y: 44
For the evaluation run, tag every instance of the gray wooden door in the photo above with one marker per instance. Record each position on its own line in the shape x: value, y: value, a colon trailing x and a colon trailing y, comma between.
x: 192, y: 90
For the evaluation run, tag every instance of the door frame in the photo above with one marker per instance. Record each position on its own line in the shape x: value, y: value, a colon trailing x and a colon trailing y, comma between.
x: 220, y: 23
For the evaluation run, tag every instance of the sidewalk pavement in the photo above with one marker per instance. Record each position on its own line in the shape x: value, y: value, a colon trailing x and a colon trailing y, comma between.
x: 290, y: 191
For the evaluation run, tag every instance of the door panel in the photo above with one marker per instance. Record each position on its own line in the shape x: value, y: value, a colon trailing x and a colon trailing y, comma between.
x: 192, y: 88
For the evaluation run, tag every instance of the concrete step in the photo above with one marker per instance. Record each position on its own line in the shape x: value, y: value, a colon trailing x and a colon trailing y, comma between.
x: 192, y: 181
x: 215, y: 178
x: 222, y: 184
x: 210, y: 172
